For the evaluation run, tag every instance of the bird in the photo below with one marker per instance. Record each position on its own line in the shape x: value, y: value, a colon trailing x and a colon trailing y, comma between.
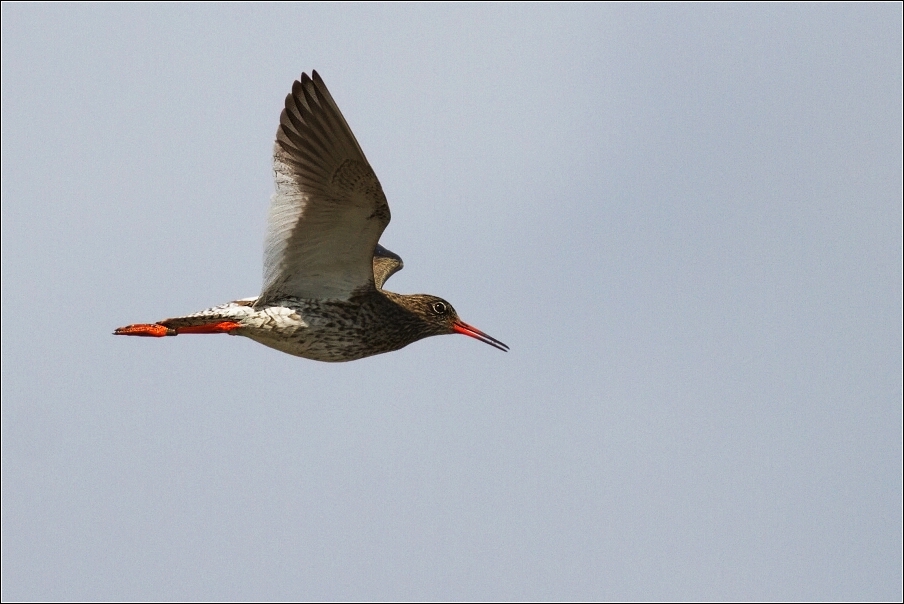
x: 324, y: 269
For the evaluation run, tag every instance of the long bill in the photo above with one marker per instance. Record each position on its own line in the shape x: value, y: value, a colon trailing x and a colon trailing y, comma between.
x: 468, y: 330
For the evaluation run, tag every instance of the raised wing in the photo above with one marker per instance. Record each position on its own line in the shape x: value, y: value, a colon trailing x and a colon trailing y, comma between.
x: 386, y: 264
x: 329, y: 209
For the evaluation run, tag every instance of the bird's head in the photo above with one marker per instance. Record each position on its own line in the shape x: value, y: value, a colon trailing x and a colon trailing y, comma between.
x: 439, y: 318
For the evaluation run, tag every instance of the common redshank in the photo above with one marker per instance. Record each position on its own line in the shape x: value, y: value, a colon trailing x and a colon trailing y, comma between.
x: 324, y: 269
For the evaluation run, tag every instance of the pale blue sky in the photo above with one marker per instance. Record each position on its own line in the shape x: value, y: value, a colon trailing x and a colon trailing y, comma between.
x: 685, y: 220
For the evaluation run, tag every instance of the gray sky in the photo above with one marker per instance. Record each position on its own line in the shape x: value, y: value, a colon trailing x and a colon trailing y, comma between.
x: 685, y: 220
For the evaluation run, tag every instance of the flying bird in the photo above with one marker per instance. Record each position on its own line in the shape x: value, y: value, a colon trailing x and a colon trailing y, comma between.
x: 324, y: 269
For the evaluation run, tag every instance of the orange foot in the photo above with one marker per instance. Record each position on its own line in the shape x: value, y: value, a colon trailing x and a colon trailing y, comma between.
x: 144, y: 329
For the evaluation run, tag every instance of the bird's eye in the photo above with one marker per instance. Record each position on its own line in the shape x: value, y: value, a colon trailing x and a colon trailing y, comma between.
x: 439, y: 308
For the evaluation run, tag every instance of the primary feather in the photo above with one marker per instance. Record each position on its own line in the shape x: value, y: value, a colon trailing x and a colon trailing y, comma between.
x: 329, y: 209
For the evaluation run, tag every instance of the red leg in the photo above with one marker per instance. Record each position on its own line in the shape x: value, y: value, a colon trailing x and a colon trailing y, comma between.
x: 220, y: 327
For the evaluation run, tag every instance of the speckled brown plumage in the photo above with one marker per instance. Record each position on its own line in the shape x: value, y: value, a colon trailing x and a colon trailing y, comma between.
x: 324, y: 270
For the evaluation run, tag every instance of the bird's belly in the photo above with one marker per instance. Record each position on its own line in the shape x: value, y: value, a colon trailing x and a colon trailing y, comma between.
x: 310, y: 335
x: 309, y: 344
x: 302, y: 348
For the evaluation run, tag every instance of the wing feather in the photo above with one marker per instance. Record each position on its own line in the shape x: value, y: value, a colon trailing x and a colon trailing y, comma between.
x: 386, y: 264
x: 329, y: 209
